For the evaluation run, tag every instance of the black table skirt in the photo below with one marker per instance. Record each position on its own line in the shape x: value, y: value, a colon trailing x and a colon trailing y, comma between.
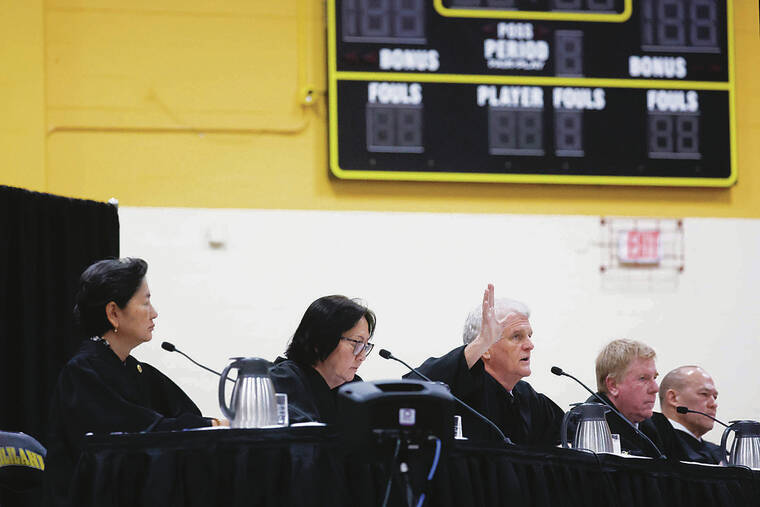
x: 310, y: 467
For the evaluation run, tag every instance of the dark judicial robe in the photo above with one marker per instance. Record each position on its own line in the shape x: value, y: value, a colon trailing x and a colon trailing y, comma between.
x: 682, y: 446
x: 525, y: 416
x: 306, y: 390
x: 630, y: 441
x: 98, y: 393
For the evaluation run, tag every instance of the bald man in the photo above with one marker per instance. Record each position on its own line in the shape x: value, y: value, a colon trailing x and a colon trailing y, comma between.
x: 691, y: 387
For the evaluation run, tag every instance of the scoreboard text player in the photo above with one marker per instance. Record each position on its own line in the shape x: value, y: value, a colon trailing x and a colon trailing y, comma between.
x: 626, y: 92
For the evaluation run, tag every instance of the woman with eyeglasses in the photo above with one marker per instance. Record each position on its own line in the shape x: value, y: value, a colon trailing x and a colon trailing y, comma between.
x: 329, y: 346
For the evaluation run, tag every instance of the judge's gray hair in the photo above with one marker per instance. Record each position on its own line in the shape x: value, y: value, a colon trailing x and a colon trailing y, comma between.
x: 502, y: 307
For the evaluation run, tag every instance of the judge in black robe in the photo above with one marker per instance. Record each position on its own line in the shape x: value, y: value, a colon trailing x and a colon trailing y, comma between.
x: 103, y: 389
x: 626, y: 377
x: 99, y: 393
x: 328, y: 347
x: 684, y: 446
x: 523, y: 415
x: 487, y: 375
x: 309, y: 397
x: 691, y: 387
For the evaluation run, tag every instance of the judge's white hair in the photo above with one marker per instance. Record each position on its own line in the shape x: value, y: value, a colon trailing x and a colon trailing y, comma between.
x: 501, y: 306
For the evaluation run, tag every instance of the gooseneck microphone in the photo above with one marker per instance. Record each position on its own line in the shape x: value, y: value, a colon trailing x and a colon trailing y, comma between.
x: 560, y: 372
x: 687, y: 410
x: 171, y: 348
x: 386, y: 354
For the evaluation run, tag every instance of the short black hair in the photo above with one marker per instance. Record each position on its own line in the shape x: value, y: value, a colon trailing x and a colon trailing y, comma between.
x: 108, y: 280
x: 322, y: 325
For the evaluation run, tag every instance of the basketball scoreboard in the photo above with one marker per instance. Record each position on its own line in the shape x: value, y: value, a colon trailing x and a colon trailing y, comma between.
x: 626, y: 92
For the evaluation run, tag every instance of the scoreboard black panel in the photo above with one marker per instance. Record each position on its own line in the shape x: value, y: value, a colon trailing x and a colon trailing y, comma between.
x: 542, y: 91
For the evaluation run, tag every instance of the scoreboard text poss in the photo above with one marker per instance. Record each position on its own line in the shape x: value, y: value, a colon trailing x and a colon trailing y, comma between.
x: 636, y: 92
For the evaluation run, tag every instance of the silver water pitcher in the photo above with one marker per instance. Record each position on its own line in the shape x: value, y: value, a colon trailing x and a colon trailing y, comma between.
x: 593, y: 432
x: 745, y: 450
x: 253, y: 403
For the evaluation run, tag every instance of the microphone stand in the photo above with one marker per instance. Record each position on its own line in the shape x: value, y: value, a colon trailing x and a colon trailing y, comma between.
x: 687, y: 410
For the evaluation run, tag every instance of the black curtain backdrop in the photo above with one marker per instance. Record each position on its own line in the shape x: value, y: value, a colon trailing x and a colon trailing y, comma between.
x: 46, y: 241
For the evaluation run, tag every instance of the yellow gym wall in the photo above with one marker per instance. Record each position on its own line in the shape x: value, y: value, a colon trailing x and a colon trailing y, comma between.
x: 200, y: 103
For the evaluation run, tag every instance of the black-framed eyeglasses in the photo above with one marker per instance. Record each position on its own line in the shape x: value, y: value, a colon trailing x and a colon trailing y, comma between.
x: 360, y: 346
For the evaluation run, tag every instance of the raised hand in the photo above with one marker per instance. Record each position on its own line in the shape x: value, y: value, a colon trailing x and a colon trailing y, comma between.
x: 491, y: 329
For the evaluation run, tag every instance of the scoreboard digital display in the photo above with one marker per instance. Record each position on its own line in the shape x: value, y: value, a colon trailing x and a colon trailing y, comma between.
x: 626, y: 92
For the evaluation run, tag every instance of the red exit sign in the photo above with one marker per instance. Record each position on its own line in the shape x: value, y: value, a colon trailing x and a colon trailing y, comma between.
x: 640, y: 247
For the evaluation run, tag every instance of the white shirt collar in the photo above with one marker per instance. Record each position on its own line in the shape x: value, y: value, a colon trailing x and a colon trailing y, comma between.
x: 677, y: 425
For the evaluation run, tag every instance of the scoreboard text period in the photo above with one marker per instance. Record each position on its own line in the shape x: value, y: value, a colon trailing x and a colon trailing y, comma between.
x: 624, y: 92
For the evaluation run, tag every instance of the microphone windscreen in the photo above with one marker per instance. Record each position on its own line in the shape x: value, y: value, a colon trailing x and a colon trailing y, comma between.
x: 385, y: 354
x: 682, y: 410
x: 557, y: 370
x: 168, y: 346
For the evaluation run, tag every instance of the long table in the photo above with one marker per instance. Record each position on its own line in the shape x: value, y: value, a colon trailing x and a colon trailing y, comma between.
x: 311, y: 466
